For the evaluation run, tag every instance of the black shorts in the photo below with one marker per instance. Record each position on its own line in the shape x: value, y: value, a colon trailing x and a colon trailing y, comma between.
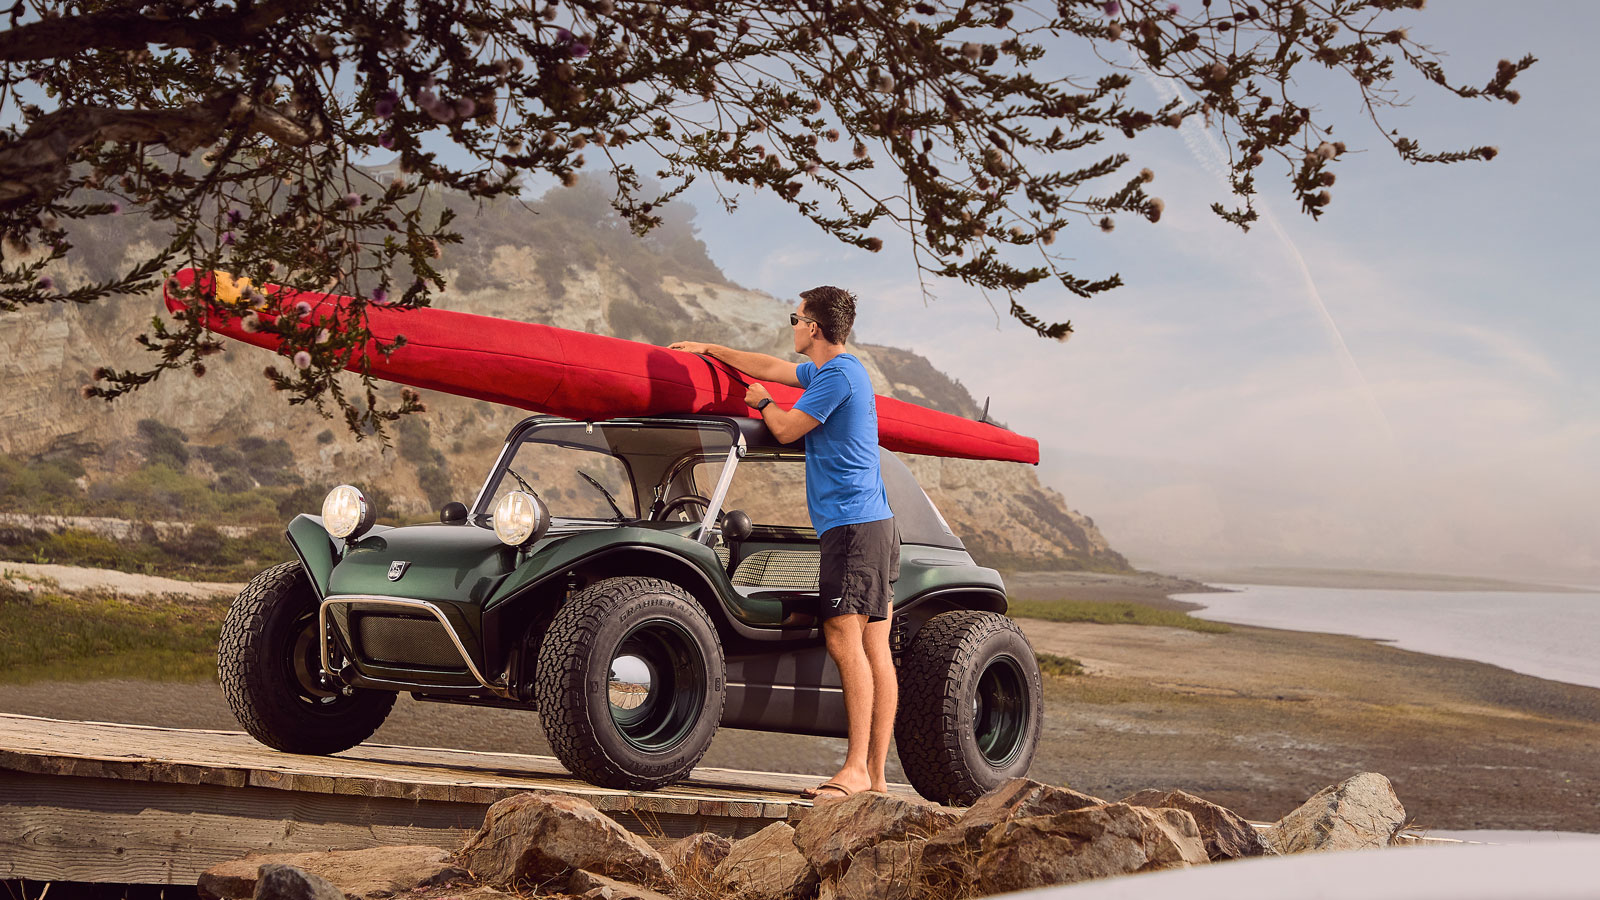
x: 858, y: 564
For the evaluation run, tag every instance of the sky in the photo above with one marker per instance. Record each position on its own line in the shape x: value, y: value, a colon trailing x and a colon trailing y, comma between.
x: 1408, y: 384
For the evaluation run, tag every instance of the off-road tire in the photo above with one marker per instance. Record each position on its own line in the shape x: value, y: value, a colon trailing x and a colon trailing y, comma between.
x: 572, y: 682
x: 936, y: 728
x: 256, y: 665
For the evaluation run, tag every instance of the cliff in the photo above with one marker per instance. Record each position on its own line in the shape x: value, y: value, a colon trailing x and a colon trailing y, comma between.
x: 561, y: 261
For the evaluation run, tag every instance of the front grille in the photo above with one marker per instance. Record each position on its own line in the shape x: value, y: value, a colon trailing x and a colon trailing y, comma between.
x: 413, y: 641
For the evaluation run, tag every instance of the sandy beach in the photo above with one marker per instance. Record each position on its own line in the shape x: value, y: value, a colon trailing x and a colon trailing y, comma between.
x: 1256, y: 719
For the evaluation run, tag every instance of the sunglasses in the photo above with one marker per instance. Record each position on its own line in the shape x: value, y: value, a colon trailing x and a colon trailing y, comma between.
x: 794, y: 318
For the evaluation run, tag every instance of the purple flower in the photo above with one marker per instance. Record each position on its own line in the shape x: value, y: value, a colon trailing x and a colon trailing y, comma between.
x: 302, y: 360
x: 1112, y: 7
x: 578, y: 49
x: 380, y: 296
x: 46, y: 283
x: 1172, y: 8
x: 563, y: 35
x: 302, y: 308
x: 384, y: 108
x: 116, y: 208
x: 227, y: 238
x: 386, y: 140
x: 352, y: 199
x: 465, y: 107
x: 251, y: 323
x: 441, y: 111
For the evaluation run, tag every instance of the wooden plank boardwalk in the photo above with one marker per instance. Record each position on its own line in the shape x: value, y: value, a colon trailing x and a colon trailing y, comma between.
x: 100, y: 802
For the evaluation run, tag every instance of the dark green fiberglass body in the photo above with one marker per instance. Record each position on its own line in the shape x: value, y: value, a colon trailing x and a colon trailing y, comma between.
x: 444, y: 611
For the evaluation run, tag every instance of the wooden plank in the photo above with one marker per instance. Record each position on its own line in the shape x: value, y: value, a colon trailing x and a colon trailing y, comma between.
x: 101, y: 802
x: 142, y: 752
x: 114, y: 830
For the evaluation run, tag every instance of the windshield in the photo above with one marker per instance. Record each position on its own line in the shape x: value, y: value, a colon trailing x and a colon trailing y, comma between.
x: 601, y: 472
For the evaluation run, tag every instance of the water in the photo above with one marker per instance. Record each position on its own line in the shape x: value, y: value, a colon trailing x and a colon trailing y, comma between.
x: 1547, y: 635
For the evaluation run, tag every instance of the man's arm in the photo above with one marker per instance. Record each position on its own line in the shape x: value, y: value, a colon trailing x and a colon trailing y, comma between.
x: 756, y: 365
x: 787, y: 425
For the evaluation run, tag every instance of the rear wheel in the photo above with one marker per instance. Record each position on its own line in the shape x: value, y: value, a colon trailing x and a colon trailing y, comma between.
x: 971, y: 701
x: 269, y: 661
x: 629, y: 683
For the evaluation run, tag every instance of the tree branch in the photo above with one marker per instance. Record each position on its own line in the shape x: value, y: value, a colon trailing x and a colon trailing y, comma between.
x: 36, y: 164
x: 62, y: 36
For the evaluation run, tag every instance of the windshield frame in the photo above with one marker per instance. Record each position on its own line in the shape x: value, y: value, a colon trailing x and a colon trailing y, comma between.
x: 479, y: 513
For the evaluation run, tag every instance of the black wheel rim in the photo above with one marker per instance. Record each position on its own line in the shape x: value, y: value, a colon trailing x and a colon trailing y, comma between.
x: 1000, y: 710
x: 304, y: 660
x: 657, y: 685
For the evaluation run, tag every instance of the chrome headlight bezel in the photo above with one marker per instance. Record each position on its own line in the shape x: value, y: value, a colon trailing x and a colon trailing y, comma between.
x: 520, y: 518
x: 346, y: 513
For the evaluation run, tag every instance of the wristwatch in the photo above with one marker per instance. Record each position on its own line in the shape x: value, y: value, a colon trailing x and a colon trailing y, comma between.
x: 763, y: 404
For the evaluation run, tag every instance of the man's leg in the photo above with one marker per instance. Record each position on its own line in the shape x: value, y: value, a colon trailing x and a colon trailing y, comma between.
x: 885, y: 698
x: 845, y: 637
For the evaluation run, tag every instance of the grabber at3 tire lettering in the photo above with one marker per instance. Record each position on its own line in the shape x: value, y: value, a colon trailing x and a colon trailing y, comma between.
x: 269, y: 660
x: 971, y: 704
x: 629, y: 683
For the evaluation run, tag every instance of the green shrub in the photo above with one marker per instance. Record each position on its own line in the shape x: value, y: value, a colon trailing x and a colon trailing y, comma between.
x: 163, y: 444
x: 1062, y: 666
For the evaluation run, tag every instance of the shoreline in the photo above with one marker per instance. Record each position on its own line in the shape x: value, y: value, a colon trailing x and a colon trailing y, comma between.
x: 1256, y: 719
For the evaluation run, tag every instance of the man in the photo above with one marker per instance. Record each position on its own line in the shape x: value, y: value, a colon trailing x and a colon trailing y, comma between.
x: 838, y: 417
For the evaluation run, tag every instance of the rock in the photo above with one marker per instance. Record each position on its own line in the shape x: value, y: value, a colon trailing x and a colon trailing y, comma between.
x: 883, y: 871
x: 375, y: 872
x: 949, y: 854
x: 1226, y: 833
x: 277, y: 881
x: 1114, y: 839
x: 588, y: 885
x: 832, y: 832
x: 540, y: 837
x: 696, y: 856
x: 1358, y: 813
x: 766, y: 866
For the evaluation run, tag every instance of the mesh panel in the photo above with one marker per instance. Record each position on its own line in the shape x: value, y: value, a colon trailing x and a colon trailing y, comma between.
x: 407, y: 641
x: 795, y: 570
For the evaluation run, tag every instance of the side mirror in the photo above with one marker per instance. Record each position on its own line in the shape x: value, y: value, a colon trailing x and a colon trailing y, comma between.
x: 453, y: 513
x: 736, y: 525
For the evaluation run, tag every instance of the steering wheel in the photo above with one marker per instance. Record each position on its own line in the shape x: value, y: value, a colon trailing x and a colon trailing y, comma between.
x: 677, y: 503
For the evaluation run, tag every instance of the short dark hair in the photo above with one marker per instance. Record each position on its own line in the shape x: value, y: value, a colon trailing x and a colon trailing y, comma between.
x: 833, y: 308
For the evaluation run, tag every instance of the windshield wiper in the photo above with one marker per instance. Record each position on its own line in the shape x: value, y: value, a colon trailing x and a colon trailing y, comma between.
x: 520, y: 483
x: 602, y: 489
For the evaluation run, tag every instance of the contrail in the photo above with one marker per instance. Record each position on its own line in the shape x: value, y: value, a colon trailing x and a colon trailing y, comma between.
x: 1203, y: 146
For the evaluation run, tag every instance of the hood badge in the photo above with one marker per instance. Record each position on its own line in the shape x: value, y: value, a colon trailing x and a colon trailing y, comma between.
x: 398, y: 568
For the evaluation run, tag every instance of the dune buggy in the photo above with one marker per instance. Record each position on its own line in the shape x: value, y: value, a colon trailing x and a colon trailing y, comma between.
x: 639, y: 583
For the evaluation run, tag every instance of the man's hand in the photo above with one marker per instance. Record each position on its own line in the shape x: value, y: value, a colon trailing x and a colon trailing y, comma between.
x: 691, y: 347
x: 755, y: 394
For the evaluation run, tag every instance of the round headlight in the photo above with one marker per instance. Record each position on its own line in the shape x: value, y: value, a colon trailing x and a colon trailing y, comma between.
x: 520, y: 517
x: 346, y: 513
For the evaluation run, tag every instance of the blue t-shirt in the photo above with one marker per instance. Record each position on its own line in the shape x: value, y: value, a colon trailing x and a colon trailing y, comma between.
x: 843, y: 483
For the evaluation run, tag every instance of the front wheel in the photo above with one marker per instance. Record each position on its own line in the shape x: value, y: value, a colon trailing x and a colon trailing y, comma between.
x: 629, y: 683
x: 269, y: 661
x: 971, y: 701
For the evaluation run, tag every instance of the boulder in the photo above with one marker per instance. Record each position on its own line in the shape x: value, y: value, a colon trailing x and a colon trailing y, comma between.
x: 371, y: 873
x: 883, y: 871
x: 1101, y: 841
x: 831, y: 833
x: 1360, y: 812
x: 696, y: 856
x: 1226, y: 833
x: 277, y: 881
x: 949, y: 854
x: 543, y: 837
x: 590, y: 886
x: 766, y: 866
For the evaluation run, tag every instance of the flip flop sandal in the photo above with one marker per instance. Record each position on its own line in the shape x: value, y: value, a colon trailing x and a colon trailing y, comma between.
x: 816, y: 792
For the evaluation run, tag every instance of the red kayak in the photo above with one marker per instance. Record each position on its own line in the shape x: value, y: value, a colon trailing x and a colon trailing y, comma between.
x: 577, y: 375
